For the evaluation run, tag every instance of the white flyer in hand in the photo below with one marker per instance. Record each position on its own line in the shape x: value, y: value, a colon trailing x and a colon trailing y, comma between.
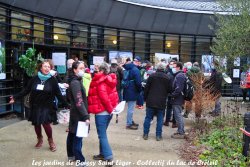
x: 119, y: 108
x: 82, y: 129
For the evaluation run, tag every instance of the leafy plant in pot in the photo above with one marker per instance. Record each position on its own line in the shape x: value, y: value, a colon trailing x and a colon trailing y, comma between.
x: 29, y: 61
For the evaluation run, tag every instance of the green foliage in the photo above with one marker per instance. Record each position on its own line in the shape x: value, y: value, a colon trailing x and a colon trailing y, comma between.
x: 232, y: 35
x: 224, y: 143
x: 29, y: 61
x: 2, y: 59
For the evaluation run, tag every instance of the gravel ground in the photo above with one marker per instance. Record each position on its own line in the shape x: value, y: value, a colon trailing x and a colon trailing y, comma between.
x: 129, y: 149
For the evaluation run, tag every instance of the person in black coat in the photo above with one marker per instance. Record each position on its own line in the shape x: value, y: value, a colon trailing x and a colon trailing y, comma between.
x: 115, y: 68
x: 215, y: 81
x: 78, y: 111
x: 169, y: 109
x: 43, y: 88
x: 156, y: 91
x: 177, y: 98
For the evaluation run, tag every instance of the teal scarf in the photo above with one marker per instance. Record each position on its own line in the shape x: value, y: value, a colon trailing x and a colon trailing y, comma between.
x: 44, y: 77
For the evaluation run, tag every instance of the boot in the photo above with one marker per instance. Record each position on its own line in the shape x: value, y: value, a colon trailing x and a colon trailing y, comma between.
x: 39, y: 142
x: 52, y: 145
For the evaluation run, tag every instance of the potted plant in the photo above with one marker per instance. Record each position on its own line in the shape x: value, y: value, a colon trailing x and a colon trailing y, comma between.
x: 29, y: 61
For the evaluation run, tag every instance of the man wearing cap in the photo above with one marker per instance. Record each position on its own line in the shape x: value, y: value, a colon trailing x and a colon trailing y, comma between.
x: 156, y: 92
x: 131, y: 93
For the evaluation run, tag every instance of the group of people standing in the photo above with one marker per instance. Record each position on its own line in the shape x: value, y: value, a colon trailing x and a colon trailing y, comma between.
x: 102, y: 98
x: 100, y: 94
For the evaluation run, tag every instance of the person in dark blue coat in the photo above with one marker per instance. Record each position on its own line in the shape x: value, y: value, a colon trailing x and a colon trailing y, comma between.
x: 131, y: 93
x: 178, y: 98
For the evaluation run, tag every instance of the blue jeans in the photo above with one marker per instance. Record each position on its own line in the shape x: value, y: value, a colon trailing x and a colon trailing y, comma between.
x: 179, y: 118
x: 140, y: 98
x: 130, y: 112
x: 150, y: 112
x: 74, y: 147
x: 102, y: 123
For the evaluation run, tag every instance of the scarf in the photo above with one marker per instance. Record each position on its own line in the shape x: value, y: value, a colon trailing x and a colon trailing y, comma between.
x: 44, y: 77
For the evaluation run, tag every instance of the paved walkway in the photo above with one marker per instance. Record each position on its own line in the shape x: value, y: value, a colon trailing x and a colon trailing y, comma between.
x: 17, y: 145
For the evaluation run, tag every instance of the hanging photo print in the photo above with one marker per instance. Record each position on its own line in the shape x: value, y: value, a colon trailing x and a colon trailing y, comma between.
x: 2, y: 61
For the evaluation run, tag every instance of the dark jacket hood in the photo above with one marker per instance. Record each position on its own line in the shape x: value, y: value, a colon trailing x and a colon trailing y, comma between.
x: 178, y: 72
x: 129, y: 66
x: 74, y: 77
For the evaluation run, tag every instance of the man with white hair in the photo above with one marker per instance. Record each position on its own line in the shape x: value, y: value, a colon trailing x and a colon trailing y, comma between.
x: 69, y: 63
x: 116, y: 69
x: 156, y: 92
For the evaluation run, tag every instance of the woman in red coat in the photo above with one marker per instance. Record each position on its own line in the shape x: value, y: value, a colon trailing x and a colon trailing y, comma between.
x: 102, y: 100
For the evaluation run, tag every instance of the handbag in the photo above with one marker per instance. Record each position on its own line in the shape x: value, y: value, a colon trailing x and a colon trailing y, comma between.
x: 27, y: 100
x: 63, y: 116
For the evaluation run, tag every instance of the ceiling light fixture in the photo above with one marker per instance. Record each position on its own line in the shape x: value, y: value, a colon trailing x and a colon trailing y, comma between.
x: 114, y: 42
x: 56, y: 37
x: 168, y: 44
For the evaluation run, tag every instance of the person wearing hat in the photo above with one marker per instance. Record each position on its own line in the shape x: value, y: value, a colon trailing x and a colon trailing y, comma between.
x: 132, y: 92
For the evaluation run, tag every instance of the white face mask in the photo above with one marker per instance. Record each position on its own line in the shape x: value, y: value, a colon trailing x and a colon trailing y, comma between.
x: 80, y: 73
x: 174, y: 70
x: 189, y: 67
x: 52, y: 72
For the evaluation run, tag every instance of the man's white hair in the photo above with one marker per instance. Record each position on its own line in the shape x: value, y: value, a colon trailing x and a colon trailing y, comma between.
x: 69, y: 63
x: 161, y: 66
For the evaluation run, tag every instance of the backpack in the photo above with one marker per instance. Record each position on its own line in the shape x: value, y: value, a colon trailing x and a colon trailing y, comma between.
x: 125, y: 79
x: 188, y: 90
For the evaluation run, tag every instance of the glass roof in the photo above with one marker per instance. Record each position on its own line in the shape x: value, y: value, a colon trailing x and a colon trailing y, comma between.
x: 196, y: 6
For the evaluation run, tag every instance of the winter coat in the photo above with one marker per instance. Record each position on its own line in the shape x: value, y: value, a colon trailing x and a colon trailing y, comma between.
x: 170, y: 76
x: 157, y: 89
x: 86, y: 80
x: 78, y: 101
x: 102, y: 93
x: 119, y: 74
x: 42, y: 101
x: 178, y: 88
x: 215, y: 81
x: 133, y: 91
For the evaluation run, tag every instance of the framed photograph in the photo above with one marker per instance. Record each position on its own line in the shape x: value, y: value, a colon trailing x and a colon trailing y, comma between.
x: 120, y: 56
